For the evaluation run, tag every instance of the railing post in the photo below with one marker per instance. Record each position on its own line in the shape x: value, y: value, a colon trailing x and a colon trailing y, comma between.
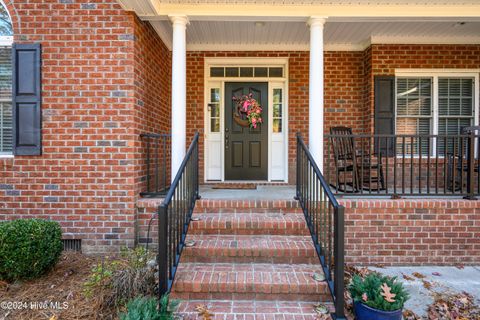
x: 339, y: 251
x: 162, y: 258
x: 148, y: 164
x: 297, y: 182
x: 470, y: 167
x: 197, y: 175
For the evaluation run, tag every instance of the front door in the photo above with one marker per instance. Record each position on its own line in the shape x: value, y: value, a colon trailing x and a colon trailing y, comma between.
x: 246, y: 148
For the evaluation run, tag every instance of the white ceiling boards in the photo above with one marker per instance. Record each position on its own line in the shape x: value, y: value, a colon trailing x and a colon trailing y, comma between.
x: 281, y: 24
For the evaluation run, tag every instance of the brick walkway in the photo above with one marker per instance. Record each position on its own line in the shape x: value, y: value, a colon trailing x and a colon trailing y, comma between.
x: 251, y: 260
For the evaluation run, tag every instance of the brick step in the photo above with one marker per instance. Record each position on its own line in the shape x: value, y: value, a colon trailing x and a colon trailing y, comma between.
x: 249, y: 223
x: 250, y: 309
x: 249, y: 281
x: 246, y: 206
x: 250, y: 248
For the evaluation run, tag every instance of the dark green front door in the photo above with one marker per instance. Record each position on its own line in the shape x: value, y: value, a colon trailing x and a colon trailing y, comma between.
x: 246, y: 148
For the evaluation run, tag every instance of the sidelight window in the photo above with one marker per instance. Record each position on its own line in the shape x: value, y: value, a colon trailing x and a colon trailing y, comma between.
x: 214, y: 106
x: 277, y: 110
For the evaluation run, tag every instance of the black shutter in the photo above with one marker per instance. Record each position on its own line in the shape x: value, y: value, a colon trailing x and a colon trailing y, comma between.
x: 27, y: 116
x: 385, y: 113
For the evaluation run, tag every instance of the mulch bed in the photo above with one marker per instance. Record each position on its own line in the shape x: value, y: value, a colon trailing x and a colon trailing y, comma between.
x: 235, y: 186
x: 62, y: 289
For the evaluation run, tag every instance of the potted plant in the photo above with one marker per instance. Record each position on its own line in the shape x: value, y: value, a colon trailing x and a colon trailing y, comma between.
x: 377, y: 297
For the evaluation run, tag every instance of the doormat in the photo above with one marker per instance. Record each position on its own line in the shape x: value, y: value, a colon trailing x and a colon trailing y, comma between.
x: 235, y: 186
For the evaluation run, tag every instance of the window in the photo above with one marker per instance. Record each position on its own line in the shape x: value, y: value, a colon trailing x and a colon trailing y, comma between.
x: 6, y: 33
x: 414, y: 109
x: 214, y: 107
x: 249, y: 72
x: 277, y: 110
x: 430, y: 105
x: 5, y: 100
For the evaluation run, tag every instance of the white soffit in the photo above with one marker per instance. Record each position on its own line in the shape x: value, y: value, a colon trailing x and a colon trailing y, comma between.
x: 338, y: 35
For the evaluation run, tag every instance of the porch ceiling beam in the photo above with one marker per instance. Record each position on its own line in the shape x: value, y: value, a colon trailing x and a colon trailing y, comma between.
x: 255, y: 11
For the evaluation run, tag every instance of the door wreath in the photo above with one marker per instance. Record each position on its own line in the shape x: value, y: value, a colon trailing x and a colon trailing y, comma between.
x: 247, y: 111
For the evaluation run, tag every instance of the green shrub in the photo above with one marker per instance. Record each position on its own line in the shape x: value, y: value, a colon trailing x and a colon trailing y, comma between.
x: 378, y: 292
x: 28, y: 248
x: 146, y: 308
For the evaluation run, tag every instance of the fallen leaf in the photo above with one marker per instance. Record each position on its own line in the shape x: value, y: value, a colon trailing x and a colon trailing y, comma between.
x: 418, y: 275
x: 204, y: 312
x: 410, y: 315
x: 460, y: 266
x: 189, y: 243
x: 320, y: 309
x: 407, y: 277
x: 427, y: 285
x: 318, y: 277
x: 387, y: 295
x: 436, y: 274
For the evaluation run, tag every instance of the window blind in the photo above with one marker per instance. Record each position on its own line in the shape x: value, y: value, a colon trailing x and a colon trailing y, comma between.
x: 414, y: 111
x: 455, y: 108
x: 5, y: 100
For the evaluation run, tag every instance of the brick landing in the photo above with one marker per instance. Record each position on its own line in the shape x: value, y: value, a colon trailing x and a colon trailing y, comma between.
x: 251, y: 260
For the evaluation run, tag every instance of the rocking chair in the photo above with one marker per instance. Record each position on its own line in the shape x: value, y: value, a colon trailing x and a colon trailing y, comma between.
x: 350, y: 163
x: 458, y: 162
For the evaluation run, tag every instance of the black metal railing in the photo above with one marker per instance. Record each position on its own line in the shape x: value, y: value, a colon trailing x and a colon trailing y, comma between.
x: 325, y: 220
x: 157, y: 163
x: 174, y: 216
x: 403, y: 165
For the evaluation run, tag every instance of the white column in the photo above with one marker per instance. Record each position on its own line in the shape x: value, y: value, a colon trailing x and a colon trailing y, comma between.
x: 315, y: 107
x: 179, y: 91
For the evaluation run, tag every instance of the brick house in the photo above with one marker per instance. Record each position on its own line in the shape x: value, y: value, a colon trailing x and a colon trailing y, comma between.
x: 90, y: 77
x: 106, y: 77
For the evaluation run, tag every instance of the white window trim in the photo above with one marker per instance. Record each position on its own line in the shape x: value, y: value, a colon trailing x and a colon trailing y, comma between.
x: 435, y: 74
x: 6, y: 41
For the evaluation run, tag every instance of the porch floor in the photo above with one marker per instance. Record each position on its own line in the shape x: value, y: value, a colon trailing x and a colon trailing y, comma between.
x: 287, y: 192
x: 263, y: 192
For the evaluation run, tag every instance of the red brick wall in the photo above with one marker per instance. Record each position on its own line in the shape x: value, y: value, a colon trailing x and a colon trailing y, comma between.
x: 85, y: 178
x: 152, y: 97
x: 344, y: 92
x: 413, y: 231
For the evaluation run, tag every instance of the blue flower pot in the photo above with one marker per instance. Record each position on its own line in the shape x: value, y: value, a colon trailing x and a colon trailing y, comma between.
x: 364, y: 312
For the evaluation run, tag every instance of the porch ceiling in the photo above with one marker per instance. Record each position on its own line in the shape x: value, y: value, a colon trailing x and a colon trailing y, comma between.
x: 351, y: 25
x: 339, y: 35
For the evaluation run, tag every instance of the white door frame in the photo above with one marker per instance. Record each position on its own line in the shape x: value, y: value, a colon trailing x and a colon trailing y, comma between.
x: 218, y: 138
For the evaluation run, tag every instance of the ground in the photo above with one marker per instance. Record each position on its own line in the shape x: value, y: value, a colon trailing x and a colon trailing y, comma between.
x: 426, y: 283
x: 63, y: 286
x: 63, y: 289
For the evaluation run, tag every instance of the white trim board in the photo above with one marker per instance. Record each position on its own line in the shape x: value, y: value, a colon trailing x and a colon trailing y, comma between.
x: 151, y: 9
x: 214, y: 169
